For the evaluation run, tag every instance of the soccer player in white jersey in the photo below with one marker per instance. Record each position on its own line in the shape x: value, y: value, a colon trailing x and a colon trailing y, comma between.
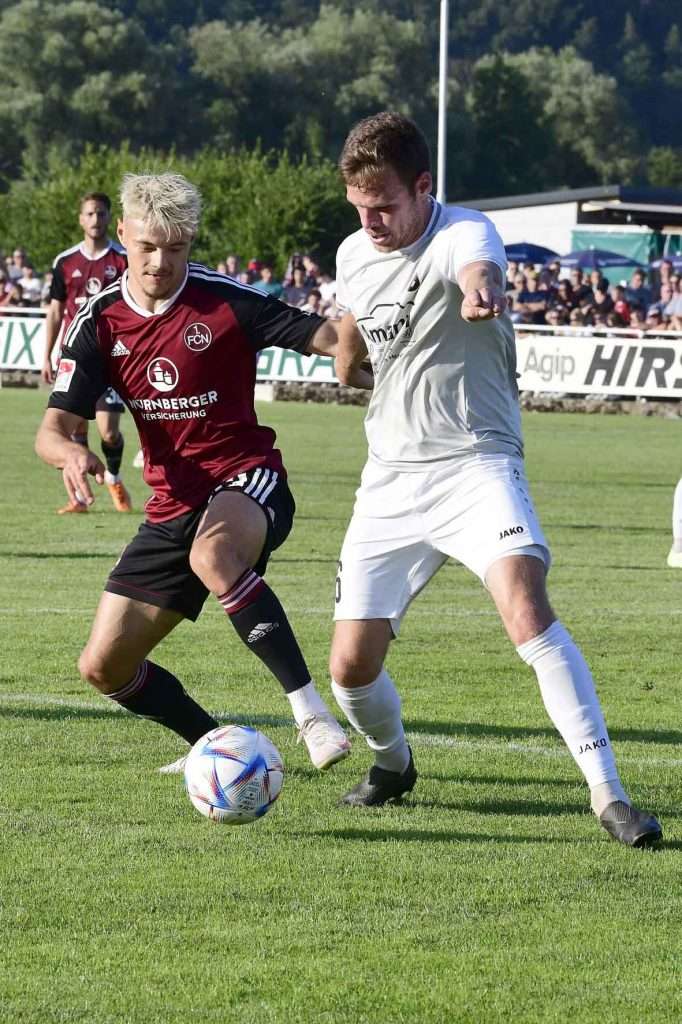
x: 445, y: 474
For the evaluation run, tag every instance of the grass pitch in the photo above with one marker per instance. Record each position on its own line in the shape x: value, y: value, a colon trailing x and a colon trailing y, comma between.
x: 491, y: 895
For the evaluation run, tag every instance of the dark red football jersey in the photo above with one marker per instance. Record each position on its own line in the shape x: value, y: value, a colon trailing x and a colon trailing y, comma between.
x: 187, y: 374
x: 76, y: 277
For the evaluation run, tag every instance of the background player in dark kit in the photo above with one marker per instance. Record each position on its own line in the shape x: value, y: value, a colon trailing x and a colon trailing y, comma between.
x: 77, y: 274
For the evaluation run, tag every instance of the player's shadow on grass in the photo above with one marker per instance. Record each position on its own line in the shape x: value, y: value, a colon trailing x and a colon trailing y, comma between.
x: 55, y: 713
x: 523, y: 808
x: 465, y: 730
x: 608, y: 528
x: 422, y: 835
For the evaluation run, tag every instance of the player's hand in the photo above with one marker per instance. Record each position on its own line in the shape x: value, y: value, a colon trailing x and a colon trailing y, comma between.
x: 47, y: 373
x: 483, y: 304
x: 80, y: 464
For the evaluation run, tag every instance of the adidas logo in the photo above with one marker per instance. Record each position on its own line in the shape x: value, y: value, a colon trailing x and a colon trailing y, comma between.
x: 119, y: 349
x: 261, y: 630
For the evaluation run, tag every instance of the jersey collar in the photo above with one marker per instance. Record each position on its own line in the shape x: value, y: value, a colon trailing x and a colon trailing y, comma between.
x: 163, y: 308
x: 82, y: 250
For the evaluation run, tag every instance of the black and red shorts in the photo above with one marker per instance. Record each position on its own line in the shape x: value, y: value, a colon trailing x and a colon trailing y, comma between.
x: 154, y: 567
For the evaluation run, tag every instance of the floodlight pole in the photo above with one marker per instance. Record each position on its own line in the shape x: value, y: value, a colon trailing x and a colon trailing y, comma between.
x: 442, y: 101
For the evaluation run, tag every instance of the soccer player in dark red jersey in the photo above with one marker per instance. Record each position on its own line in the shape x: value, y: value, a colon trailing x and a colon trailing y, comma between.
x: 77, y: 274
x: 179, y: 343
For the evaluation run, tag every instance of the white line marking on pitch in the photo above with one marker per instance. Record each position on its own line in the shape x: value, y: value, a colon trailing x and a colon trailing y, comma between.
x: 418, y: 739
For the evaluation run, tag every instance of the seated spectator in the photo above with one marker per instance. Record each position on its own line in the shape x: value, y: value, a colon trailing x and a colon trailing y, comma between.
x: 4, y: 280
x: 221, y: 268
x: 556, y: 316
x: 638, y: 294
x: 243, y: 277
x: 576, y: 318
x: 31, y: 286
x: 578, y: 285
x: 603, y: 303
x: 295, y: 263
x: 598, y: 319
x: 620, y: 303
x: 564, y: 294
x: 532, y: 303
x: 13, y: 297
x: 665, y: 296
x: 654, y: 320
x: 637, y: 320
x: 313, y: 302
x: 615, y: 319
x: 267, y: 283
x: 296, y: 293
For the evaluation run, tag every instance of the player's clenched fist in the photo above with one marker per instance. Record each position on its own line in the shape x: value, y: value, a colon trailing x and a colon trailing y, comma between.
x: 483, y: 304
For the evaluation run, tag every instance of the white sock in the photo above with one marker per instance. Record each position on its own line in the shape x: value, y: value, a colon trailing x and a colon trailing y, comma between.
x: 571, y: 701
x: 374, y: 712
x: 677, y: 517
x: 305, y: 702
x: 111, y: 478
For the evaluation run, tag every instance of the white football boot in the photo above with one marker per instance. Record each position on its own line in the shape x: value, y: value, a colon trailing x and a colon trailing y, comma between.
x: 326, y: 741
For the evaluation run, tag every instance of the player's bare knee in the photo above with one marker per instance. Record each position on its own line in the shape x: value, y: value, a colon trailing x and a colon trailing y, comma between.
x: 352, y: 667
x: 526, y: 622
x: 217, y: 566
x: 93, y: 671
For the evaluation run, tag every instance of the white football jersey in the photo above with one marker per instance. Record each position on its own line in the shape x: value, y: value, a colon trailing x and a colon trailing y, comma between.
x: 443, y: 387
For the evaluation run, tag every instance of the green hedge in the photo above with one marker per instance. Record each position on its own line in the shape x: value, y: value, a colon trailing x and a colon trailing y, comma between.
x: 256, y: 204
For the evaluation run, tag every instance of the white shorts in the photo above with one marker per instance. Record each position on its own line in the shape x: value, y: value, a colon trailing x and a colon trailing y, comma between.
x: 405, y: 526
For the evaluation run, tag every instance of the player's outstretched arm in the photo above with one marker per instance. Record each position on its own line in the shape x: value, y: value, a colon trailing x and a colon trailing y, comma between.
x: 54, y: 446
x: 351, y: 355
x: 483, y: 289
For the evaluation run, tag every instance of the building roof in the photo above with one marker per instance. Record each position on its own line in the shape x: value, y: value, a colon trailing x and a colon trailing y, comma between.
x: 658, y: 208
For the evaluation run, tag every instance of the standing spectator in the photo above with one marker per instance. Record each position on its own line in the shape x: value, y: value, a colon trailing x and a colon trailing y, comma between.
x: 16, y: 264
x: 638, y: 294
x: 253, y: 269
x: 664, y: 274
x: 296, y: 293
x: 267, y: 283
x: 232, y: 266
x: 597, y: 280
x: 673, y: 310
x: 31, y: 286
x: 327, y: 290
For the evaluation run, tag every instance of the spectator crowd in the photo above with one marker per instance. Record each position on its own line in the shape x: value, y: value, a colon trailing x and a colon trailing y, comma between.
x: 585, y: 299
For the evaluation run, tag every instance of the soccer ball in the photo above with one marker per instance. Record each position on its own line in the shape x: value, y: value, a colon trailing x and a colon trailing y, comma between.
x: 234, y: 774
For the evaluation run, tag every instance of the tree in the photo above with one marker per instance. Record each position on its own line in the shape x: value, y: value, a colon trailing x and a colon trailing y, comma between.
x: 664, y: 167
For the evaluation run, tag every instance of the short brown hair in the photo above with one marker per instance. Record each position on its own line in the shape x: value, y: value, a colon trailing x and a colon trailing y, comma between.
x: 97, y: 197
x: 384, y: 140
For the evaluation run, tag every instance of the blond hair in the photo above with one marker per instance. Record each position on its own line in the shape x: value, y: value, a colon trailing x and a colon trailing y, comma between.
x: 166, y: 201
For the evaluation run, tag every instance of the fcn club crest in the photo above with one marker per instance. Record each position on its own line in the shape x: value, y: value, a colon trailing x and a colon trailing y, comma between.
x: 198, y: 337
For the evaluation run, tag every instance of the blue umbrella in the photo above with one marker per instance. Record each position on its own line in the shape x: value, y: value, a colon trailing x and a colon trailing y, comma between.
x: 592, y: 259
x: 675, y: 260
x: 528, y: 252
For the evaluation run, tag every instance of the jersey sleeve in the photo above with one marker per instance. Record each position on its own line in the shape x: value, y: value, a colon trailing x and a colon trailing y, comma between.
x: 58, y: 284
x: 81, y: 376
x: 267, y: 321
x: 471, y: 239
